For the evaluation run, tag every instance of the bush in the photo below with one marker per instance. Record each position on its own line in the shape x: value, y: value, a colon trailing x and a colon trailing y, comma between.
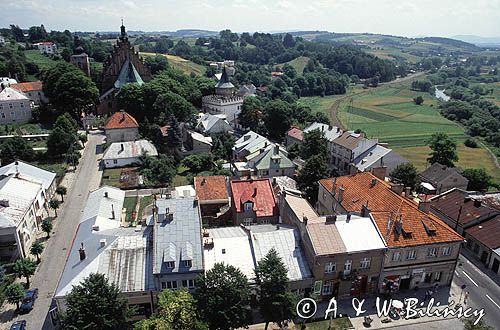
x: 470, y: 143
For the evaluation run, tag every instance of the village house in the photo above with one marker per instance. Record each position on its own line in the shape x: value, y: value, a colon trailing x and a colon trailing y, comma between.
x: 243, y: 247
x: 123, y: 67
x: 46, y: 47
x: 253, y: 202
x: 177, y: 248
x: 15, y: 107
x: 104, y: 243
x: 247, y: 90
x: 224, y: 101
x: 122, y: 154
x: 344, y: 252
x: 474, y: 216
x: 437, y: 179
x: 121, y: 127
x: 33, y: 90
x: 214, y: 199
x: 197, y: 143
x: 268, y: 162
x: 422, y: 249
x: 293, y: 136
x: 209, y: 124
x: 248, y: 144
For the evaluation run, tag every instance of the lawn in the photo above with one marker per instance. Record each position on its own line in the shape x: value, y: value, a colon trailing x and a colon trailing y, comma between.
x: 182, y: 64
x: 320, y: 104
x: 337, y: 324
x: 111, y: 177
x: 43, y: 62
x: 129, y: 204
x: 143, y: 202
x: 298, y: 64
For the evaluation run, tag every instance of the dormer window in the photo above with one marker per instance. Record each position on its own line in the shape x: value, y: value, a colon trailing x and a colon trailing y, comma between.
x: 170, y: 264
x: 248, y: 206
x: 188, y: 263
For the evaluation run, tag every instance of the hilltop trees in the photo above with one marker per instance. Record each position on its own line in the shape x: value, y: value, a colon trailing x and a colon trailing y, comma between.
x: 96, y: 304
x: 223, y: 297
x: 444, y: 150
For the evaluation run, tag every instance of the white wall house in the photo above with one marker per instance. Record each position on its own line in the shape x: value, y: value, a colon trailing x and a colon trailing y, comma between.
x: 121, y: 154
x: 15, y: 107
x: 47, y: 47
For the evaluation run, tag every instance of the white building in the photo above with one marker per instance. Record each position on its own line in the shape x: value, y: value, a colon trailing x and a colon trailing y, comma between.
x: 2, y: 40
x: 121, y: 127
x: 33, y: 90
x: 47, y: 47
x: 121, y: 154
x: 15, y: 107
x: 21, y: 201
x: 209, y: 124
x: 7, y: 81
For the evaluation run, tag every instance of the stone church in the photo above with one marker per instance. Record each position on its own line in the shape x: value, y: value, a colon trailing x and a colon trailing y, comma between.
x: 124, y: 66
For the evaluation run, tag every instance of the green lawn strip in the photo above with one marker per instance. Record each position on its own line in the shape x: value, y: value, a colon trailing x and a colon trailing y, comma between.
x: 129, y: 204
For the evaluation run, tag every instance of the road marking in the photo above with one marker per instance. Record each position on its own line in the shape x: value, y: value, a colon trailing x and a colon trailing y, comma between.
x: 473, y: 282
x: 492, y: 301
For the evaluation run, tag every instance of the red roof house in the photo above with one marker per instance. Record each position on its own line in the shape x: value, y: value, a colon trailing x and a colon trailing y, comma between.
x: 121, y: 127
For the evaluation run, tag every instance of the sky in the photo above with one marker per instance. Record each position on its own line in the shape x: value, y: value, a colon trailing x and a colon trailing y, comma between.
x: 397, y: 17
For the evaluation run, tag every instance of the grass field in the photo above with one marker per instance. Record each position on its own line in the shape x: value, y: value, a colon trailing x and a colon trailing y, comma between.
x: 129, y: 203
x: 43, y: 62
x: 182, y: 64
x: 319, y: 104
x: 298, y: 63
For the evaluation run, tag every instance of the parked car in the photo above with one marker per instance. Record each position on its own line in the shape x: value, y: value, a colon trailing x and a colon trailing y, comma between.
x: 18, y: 325
x: 29, y: 301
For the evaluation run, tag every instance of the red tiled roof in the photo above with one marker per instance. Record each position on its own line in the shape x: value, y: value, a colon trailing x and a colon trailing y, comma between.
x: 121, y: 119
x: 387, y: 207
x: 28, y: 86
x: 259, y: 192
x: 487, y: 232
x: 296, y: 133
x: 211, y: 188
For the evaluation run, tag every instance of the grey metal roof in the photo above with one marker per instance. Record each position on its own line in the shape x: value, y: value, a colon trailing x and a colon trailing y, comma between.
x: 130, y: 149
x: 330, y: 132
x: 370, y: 156
x: 29, y: 171
x: 20, y: 193
x: 224, y: 82
x: 177, y: 240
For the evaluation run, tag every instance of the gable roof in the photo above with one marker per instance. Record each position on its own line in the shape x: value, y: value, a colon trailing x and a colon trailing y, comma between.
x: 130, y: 149
x: 28, y: 86
x: 207, y: 121
x: 211, y: 188
x: 11, y: 94
x: 273, y: 157
x: 296, y: 133
x: 437, y: 173
x: 120, y: 120
x: 259, y: 192
x: 330, y: 132
x: 388, y: 208
x: 348, y: 140
x: 487, y: 232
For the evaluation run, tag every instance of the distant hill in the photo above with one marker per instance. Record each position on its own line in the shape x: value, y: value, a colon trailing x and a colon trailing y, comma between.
x: 479, y: 41
x: 192, y: 33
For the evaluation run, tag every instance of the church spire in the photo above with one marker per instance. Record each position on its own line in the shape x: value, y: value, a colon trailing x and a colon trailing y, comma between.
x: 123, y: 32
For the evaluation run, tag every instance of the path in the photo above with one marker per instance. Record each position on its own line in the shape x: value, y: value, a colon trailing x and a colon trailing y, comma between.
x: 86, y: 178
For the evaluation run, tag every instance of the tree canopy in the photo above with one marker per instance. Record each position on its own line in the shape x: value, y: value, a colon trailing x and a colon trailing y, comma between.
x: 444, y: 150
x: 406, y: 174
x: 479, y: 179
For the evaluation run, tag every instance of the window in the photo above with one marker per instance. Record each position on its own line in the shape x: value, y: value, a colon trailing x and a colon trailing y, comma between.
x: 330, y: 268
x: 188, y: 283
x: 265, y: 172
x: 248, y: 206
x: 327, y: 288
x: 1, y: 106
x: 476, y: 248
x: 265, y: 221
x: 3, y: 115
x: 10, y: 105
x: 347, y: 266
x: 247, y: 221
x: 22, y: 105
x: 163, y: 285
x: 432, y: 252
x: 411, y: 255
x: 365, y: 263
x: 12, y: 114
x: 170, y: 264
x: 188, y: 263
x: 447, y: 251
x: 396, y: 256
x: 172, y: 285
x: 437, y: 276
x: 115, y: 161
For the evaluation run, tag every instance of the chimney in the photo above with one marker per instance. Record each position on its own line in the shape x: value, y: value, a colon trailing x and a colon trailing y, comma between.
x: 261, y: 150
x: 407, y: 191
x: 348, y: 217
x: 331, y: 218
x: 373, y: 182
x: 112, y: 211
x: 106, y: 194
x: 276, y: 149
x: 365, y: 211
x: 338, y: 129
x: 398, y: 188
x: 329, y: 127
x: 380, y: 172
x: 304, y: 219
x: 477, y: 203
x: 122, y: 148
x: 424, y: 206
x: 203, y: 181
x: 341, y: 194
x: 254, y: 192
x: 334, y: 186
x: 102, y: 242
x: 82, y: 253
x: 4, y: 202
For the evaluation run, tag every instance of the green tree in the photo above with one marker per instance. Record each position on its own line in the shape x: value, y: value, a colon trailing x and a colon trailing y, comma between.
x: 314, y: 170
x: 156, y: 63
x: 16, y: 148
x: 54, y: 204
x: 418, y: 100
x: 222, y: 145
x: 24, y: 268
x: 223, y: 297
x: 444, y: 150
x: 199, y: 163
x: 276, y: 301
x: 63, y: 138
x: 61, y: 190
x: 174, y: 139
x: 315, y: 143
x: 277, y: 118
x: 406, y: 174
x: 96, y: 304
x: 17, y: 32
x: 15, y: 293
x: 479, y: 179
x: 36, y: 250
x: 158, y: 170
x: 176, y: 311
x: 251, y: 115
x: 47, y: 227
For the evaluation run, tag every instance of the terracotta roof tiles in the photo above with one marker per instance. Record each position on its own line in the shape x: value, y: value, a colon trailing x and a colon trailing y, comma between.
x: 211, y: 188
x: 121, y: 119
x: 28, y: 86
x: 259, y: 192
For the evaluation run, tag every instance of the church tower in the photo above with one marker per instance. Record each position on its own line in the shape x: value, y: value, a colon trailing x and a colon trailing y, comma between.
x: 79, y: 58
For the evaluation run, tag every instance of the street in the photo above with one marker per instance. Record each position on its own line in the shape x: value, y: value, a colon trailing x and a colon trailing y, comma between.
x: 86, y: 178
x: 483, y: 292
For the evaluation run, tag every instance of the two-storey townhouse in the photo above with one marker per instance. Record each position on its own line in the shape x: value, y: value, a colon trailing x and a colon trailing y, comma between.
x: 15, y: 107
x: 422, y: 249
x: 439, y: 178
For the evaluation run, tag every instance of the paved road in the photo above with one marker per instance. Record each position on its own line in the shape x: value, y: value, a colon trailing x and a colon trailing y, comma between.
x: 483, y: 292
x: 87, y: 178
